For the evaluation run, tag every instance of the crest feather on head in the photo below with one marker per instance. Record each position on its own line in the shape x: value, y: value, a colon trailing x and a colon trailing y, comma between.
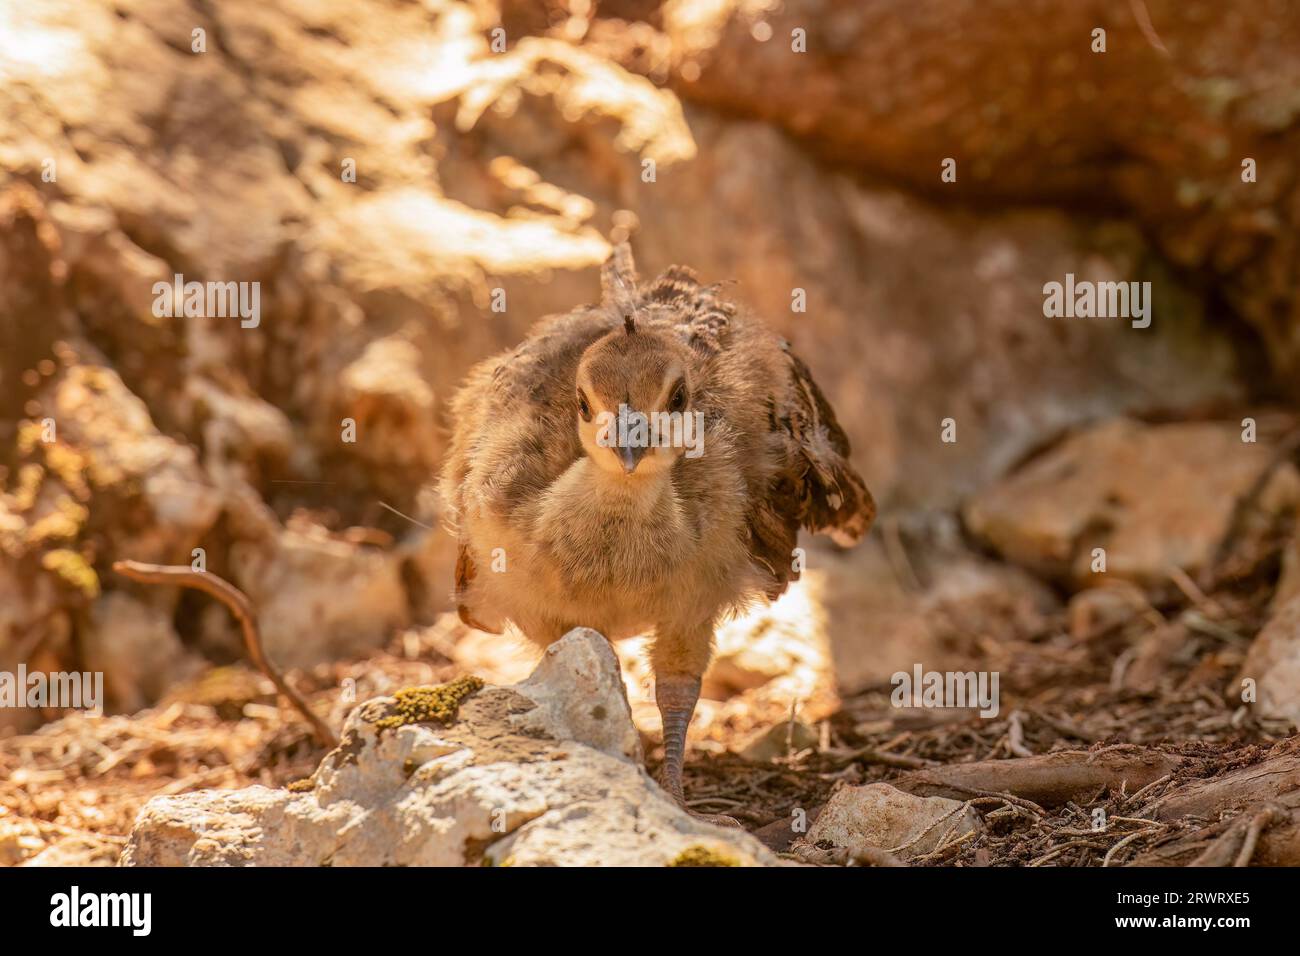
x: 618, y: 292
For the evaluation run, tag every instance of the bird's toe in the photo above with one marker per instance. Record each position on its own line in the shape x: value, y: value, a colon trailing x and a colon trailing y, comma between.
x: 717, y: 819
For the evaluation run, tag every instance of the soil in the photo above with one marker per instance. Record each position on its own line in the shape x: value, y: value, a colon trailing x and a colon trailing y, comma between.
x: 1062, y: 693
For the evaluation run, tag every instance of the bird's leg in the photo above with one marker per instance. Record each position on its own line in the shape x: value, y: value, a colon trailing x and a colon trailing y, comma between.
x: 680, y: 656
x: 676, y: 695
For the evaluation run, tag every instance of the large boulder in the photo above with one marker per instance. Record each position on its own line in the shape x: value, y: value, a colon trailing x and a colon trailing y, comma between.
x: 1160, y: 122
x: 1134, y: 502
x: 545, y: 772
x: 916, y: 593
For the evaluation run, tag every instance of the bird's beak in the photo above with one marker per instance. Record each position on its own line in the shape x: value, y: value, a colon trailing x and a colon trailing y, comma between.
x: 630, y: 457
x: 631, y: 453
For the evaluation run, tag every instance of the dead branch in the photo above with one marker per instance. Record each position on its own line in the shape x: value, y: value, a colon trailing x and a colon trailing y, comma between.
x: 1273, y: 780
x: 1258, y: 823
x: 1257, y: 814
x: 1236, y: 844
x: 1048, y: 779
x: 842, y: 758
x: 242, y: 608
x: 1016, y: 735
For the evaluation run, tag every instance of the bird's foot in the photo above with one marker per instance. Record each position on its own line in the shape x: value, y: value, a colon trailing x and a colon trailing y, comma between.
x: 676, y: 697
x: 717, y: 819
x: 674, y: 790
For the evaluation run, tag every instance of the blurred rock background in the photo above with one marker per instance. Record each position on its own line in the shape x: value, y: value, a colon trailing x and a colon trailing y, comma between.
x: 503, y: 175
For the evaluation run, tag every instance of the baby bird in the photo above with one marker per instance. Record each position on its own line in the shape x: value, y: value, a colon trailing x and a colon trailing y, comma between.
x: 641, y: 465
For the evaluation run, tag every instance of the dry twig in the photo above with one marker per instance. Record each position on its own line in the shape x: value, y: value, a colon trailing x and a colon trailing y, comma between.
x: 242, y: 608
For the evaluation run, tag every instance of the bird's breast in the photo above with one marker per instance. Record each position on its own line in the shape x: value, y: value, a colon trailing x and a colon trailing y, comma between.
x: 599, y: 534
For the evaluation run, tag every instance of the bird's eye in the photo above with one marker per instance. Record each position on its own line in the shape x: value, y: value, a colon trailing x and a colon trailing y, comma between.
x: 583, y: 408
x: 678, y: 401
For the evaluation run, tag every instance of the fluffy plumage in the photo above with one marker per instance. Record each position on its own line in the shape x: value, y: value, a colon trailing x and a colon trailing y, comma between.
x: 680, y: 540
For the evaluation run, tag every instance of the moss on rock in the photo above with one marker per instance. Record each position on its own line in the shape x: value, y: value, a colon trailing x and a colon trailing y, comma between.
x: 418, y: 705
x: 699, y: 855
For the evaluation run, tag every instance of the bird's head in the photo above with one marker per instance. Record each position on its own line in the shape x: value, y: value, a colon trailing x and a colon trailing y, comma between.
x: 634, y: 401
x: 633, y: 388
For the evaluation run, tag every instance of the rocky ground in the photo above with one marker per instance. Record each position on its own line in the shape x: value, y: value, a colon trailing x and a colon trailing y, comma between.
x: 486, y: 178
x: 1124, y: 697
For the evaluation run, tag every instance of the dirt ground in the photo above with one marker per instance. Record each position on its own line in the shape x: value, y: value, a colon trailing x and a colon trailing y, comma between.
x: 385, y: 173
x: 75, y: 785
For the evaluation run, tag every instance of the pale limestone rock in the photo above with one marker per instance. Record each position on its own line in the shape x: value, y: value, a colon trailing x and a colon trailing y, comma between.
x: 882, y: 817
x: 319, y: 597
x: 137, y: 649
x: 1154, y: 497
x: 541, y: 773
x: 594, y: 710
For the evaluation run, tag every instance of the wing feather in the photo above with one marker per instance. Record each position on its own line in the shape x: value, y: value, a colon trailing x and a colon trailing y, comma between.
x: 814, y: 484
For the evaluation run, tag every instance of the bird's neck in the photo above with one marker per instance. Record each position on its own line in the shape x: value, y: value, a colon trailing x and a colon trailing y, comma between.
x: 617, y: 489
x: 587, y: 493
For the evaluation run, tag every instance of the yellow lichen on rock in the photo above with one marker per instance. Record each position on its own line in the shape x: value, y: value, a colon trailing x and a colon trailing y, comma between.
x: 417, y: 705
x: 700, y: 855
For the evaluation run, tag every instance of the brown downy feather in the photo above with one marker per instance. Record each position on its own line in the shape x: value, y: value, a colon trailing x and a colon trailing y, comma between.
x: 776, y: 460
x: 818, y: 489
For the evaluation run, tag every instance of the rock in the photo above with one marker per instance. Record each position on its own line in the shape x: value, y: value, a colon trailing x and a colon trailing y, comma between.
x: 1154, y: 497
x: 135, y: 646
x: 774, y: 652
x: 1273, y: 663
x: 385, y: 393
x: 881, y: 817
x: 757, y: 650
x: 76, y: 850
x: 238, y: 426
x: 578, y: 694
x: 931, y: 600
x: 1094, y: 612
x: 94, y: 480
x: 130, y: 463
x: 541, y: 773
x: 319, y: 597
x: 29, y: 605
x: 779, y: 740
x: 892, y: 88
